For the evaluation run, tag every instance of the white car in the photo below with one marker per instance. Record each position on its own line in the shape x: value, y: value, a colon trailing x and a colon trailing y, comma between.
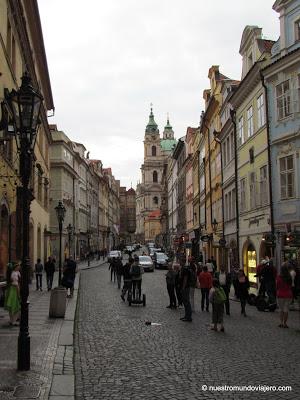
x: 147, y: 263
x: 114, y: 254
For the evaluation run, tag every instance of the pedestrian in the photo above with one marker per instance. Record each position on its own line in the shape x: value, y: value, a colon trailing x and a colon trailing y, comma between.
x: 205, y: 281
x: 268, y: 276
x: 284, y: 294
x: 292, y: 271
x: 185, y: 290
x: 217, y: 298
x: 69, y: 275
x: 38, y: 269
x: 210, y: 266
x: 136, y: 272
x: 112, y: 268
x: 177, y: 267
x: 119, y: 271
x: 49, y: 269
x: 127, y: 279
x: 12, y: 301
x: 214, y: 263
x: 170, y: 280
x: 193, y: 282
x: 224, y: 279
x: 242, y: 290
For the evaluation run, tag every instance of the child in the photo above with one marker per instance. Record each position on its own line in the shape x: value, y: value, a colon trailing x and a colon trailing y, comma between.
x: 217, y: 298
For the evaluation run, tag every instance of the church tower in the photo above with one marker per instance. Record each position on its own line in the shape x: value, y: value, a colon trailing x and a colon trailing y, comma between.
x: 149, y: 191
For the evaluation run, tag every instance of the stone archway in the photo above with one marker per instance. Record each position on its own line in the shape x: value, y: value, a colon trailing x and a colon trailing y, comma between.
x: 4, y: 239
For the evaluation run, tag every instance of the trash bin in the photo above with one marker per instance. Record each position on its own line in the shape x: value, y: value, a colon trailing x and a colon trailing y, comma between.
x: 58, y: 302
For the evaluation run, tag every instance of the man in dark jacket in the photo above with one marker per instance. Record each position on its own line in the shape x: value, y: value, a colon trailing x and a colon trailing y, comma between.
x: 69, y: 275
x: 185, y: 290
x: 127, y: 279
x: 50, y: 269
x: 119, y: 271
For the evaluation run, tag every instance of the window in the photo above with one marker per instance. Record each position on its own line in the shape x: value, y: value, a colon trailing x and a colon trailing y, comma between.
x: 202, y: 183
x: 287, y: 177
x: 153, y: 151
x: 241, y: 130
x: 155, y: 176
x: 224, y: 153
x: 263, y: 186
x: 226, y: 208
x: 297, y: 30
x: 46, y: 194
x: 243, y: 194
x: 252, y: 188
x: 155, y: 200
x: 233, y: 204
x: 250, y: 121
x: 283, y: 100
x: 260, y: 111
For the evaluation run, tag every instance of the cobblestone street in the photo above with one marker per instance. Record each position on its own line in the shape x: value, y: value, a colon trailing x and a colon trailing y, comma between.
x: 117, y: 356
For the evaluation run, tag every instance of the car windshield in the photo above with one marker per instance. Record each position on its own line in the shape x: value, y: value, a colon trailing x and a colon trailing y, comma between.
x: 145, y: 258
x: 161, y: 256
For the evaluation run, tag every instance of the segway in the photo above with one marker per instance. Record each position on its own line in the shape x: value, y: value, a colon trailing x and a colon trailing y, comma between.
x: 263, y: 304
x: 135, y: 300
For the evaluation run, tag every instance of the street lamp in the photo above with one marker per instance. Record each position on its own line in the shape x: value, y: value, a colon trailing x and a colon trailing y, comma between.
x: 23, y: 107
x: 214, y: 225
x: 70, y: 231
x: 60, y: 213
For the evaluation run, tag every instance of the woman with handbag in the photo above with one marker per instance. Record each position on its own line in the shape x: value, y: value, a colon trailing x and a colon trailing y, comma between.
x: 69, y: 275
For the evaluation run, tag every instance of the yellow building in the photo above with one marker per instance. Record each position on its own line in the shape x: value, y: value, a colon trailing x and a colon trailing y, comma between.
x: 210, y: 126
x: 249, y: 103
x: 22, y: 49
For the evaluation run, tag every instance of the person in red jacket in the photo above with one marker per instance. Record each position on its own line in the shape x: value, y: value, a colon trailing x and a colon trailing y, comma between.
x: 205, y: 280
x: 284, y: 294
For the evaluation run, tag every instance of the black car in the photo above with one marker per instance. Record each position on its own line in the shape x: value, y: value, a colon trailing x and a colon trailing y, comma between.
x: 161, y: 260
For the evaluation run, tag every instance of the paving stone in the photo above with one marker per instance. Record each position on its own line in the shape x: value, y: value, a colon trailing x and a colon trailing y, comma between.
x: 118, y: 356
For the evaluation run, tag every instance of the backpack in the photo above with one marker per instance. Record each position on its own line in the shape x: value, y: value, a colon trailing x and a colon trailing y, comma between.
x: 219, y: 296
x: 135, y: 270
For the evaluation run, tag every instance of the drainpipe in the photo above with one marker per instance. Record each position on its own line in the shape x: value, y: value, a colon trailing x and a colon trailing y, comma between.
x: 222, y: 190
x: 233, y: 119
x: 269, y: 159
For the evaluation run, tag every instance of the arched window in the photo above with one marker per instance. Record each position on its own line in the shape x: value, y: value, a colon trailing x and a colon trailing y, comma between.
x: 154, y: 176
x: 153, y: 149
x: 155, y: 200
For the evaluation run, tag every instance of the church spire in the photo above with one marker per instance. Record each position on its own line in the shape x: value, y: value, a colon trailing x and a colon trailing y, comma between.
x: 152, y: 125
x: 168, y: 131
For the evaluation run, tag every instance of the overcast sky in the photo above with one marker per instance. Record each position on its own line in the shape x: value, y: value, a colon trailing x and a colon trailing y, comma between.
x: 109, y: 59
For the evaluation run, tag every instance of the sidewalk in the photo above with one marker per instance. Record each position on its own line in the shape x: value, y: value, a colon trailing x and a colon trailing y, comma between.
x: 52, y: 374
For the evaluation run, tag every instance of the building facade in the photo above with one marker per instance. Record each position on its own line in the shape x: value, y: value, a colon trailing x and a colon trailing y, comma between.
x: 282, y: 80
x: 20, y: 52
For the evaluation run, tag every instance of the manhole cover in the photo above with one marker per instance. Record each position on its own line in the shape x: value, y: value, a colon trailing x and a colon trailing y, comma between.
x: 27, y: 392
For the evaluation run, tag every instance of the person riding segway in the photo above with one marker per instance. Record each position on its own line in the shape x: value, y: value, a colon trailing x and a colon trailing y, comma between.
x: 136, y: 272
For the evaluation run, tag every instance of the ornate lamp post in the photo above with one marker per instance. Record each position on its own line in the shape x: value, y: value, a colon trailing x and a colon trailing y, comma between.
x: 214, y: 225
x: 60, y: 213
x: 24, y: 106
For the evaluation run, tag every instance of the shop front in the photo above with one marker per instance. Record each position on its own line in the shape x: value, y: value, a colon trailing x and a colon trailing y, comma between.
x: 250, y: 263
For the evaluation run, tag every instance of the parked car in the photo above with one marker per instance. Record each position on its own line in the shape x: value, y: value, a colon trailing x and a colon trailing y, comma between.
x: 154, y: 250
x: 146, y: 262
x: 161, y: 260
x: 114, y: 254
